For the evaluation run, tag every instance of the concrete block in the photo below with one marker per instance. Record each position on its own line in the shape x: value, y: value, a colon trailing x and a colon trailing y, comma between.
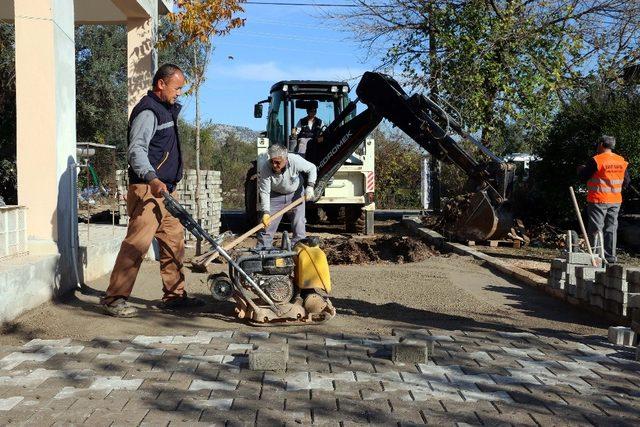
x: 617, y: 270
x: 635, y: 324
x: 596, y: 301
x: 269, y: 357
x: 557, y: 274
x: 570, y: 269
x: 633, y: 275
x: 638, y: 353
x: 558, y: 263
x: 573, y: 300
x: 619, y: 309
x: 617, y: 283
x: 584, y: 289
x: 588, y: 272
x: 634, y: 300
x: 571, y: 290
x: 598, y: 289
x: 410, y: 351
x: 579, y: 258
x: 621, y: 335
x: 601, y: 277
x: 615, y: 295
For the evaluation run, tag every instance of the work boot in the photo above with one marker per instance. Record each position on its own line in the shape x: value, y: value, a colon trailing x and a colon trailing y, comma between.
x: 120, y: 308
x: 183, y: 302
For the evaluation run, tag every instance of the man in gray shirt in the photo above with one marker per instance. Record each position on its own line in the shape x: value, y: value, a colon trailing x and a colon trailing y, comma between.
x: 155, y: 165
x: 279, y: 184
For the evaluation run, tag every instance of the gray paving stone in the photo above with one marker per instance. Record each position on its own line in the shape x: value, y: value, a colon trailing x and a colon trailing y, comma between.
x: 213, y: 385
x: 410, y: 351
x: 269, y: 357
x: 621, y: 335
x: 10, y: 402
x: 199, y: 379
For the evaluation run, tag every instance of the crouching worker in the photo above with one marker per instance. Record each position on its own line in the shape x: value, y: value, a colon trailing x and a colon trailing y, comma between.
x: 279, y: 184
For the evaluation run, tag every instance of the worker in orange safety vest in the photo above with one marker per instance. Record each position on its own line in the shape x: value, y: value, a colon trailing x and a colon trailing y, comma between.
x: 606, y: 175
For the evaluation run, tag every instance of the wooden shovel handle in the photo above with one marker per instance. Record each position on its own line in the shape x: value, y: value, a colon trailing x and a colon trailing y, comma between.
x: 206, y: 258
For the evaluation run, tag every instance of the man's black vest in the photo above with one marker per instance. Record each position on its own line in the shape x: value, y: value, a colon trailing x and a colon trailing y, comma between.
x: 164, y: 152
x: 310, y: 132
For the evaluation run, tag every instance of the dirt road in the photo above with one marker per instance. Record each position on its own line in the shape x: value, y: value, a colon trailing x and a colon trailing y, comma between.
x: 443, y: 291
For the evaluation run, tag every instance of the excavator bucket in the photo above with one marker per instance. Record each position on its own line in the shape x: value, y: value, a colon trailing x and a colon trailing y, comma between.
x: 484, y: 220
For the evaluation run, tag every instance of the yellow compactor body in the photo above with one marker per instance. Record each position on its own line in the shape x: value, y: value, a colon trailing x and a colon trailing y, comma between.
x: 311, y: 268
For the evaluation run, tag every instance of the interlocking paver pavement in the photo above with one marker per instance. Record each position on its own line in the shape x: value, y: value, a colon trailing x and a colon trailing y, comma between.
x: 473, y: 378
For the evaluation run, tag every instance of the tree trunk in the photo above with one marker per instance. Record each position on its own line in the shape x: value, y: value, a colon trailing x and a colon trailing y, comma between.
x: 434, y: 69
x: 197, y: 96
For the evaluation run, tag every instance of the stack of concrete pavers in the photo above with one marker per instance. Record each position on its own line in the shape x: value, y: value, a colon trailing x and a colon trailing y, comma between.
x: 633, y: 303
x: 596, y: 299
x: 563, y: 277
x: 618, y: 290
x: 585, y: 282
x: 122, y: 181
x: 210, y: 197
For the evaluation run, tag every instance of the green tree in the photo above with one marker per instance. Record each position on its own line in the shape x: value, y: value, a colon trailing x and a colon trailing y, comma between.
x: 500, y: 62
x: 189, y: 31
x: 8, y: 174
x: 233, y: 156
x: 101, y: 84
x: 398, y: 171
x: 571, y: 142
x: 101, y: 89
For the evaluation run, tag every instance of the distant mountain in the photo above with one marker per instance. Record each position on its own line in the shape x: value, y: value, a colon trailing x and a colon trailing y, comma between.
x: 222, y: 131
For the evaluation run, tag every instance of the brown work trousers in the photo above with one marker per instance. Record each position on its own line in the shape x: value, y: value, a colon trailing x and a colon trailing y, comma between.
x: 148, y: 218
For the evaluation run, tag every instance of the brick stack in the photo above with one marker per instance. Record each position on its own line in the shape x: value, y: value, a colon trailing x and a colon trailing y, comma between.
x: 633, y: 305
x: 563, y: 277
x: 210, y: 197
x: 596, y: 299
x: 585, y: 282
x: 122, y: 181
x: 618, y: 289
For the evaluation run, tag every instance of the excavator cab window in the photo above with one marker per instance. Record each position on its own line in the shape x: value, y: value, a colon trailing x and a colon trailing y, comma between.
x: 325, y: 110
x: 276, y: 119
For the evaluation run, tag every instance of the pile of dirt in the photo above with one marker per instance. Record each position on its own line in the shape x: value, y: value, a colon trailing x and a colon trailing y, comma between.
x: 444, y: 222
x: 386, y: 249
x: 546, y: 235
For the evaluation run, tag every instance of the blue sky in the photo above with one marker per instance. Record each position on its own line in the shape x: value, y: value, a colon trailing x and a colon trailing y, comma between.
x: 277, y: 43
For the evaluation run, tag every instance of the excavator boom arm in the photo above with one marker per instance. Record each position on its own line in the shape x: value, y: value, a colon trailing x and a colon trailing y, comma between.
x: 416, y: 116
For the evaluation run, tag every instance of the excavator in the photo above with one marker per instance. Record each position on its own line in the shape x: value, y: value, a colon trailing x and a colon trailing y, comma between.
x: 488, y: 213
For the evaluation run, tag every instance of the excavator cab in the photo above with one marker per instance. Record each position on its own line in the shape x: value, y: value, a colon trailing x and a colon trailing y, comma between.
x: 348, y: 195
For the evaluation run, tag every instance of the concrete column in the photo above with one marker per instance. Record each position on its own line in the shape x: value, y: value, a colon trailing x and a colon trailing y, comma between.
x: 46, y: 118
x: 142, y: 58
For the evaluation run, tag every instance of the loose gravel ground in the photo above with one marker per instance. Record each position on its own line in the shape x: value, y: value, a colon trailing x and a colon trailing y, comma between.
x: 442, y: 291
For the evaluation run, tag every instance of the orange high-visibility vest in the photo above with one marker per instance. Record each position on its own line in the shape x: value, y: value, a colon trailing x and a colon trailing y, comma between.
x: 605, y: 186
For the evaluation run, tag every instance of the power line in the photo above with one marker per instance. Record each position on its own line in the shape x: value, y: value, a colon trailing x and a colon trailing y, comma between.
x: 288, y: 24
x: 266, y: 48
x: 268, y: 3
x: 294, y: 37
x: 301, y: 4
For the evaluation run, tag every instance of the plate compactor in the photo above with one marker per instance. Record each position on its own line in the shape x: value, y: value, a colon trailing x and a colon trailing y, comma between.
x: 284, y: 286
